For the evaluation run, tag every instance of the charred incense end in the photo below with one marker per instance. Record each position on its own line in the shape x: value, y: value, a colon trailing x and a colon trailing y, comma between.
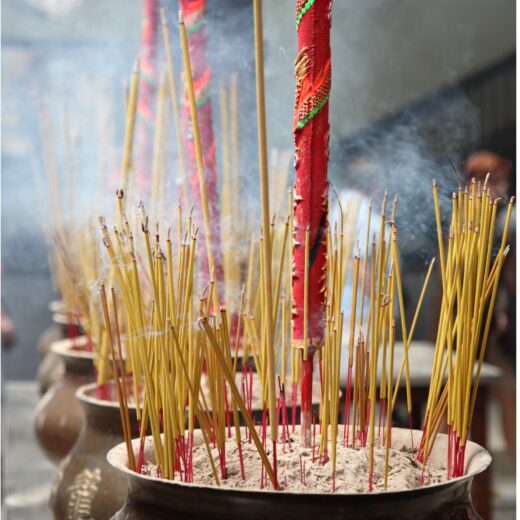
x: 144, y: 225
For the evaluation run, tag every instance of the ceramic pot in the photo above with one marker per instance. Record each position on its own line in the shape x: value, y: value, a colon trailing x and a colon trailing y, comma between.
x: 50, y: 335
x: 50, y: 369
x: 157, y: 499
x: 86, y: 485
x: 57, y: 306
x: 59, y: 417
x: 71, y: 329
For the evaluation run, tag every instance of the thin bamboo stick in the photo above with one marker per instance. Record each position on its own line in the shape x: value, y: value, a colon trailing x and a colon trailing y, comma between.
x: 264, y: 184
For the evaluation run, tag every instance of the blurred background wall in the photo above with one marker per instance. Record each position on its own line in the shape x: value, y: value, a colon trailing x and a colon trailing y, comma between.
x: 79, y: 50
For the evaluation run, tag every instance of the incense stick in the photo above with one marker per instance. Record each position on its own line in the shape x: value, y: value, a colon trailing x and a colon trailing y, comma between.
x: 264, y: 184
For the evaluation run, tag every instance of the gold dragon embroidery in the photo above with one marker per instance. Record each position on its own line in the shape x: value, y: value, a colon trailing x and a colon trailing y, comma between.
x: 81, y: 494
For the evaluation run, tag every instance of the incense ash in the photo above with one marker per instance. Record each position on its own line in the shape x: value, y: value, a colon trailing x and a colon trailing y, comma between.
x: 302, y: 470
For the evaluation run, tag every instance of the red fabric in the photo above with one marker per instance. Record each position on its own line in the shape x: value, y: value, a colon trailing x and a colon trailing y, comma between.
x: 311, y: 183
x: 193, y: 12
x: 147, y: 88
x: 190, y: 7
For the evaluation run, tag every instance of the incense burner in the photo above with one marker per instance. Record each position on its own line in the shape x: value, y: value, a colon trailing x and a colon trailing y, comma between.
x: 58, y: 416
x: 86, y: 482
x: 71, y: 329
x: 150, y: 497
x: 50, y: 369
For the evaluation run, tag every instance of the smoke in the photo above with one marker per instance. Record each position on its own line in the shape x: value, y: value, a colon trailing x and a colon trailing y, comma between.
x: 403, y: 156
x: 85, y: 57
x: 386, y: 57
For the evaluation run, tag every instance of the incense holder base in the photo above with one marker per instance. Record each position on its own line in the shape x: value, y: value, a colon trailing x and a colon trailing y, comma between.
x: 59, y: 417
x: 50, y: 369
x: 154, y: 498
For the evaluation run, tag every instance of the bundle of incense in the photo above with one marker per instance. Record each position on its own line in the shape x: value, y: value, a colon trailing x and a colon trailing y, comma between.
x: 311, y: 132
x: 71, y: 268
x: 81, y: 268
x: 75, y: 256
x: 369, y: 345
x: 51, y: 191
x: 470, y: 278
x: 74, y: 251
x: 146, y: 318
x: 168, y: 350
x: 252, y: 307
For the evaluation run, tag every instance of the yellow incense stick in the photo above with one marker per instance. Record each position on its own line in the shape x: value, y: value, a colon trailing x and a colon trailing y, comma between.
x: 264, y: 184
x: 236, y: 394
x: 130, y: 126
x: 198, y: 149
x: 175, y: 107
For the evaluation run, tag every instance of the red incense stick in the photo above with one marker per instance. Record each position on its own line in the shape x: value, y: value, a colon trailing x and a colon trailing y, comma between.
x: 311, y: 132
